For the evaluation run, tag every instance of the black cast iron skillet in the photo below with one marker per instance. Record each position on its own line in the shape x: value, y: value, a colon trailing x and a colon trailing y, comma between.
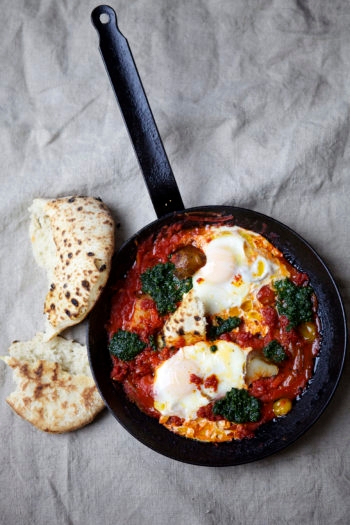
x: 166, y: 199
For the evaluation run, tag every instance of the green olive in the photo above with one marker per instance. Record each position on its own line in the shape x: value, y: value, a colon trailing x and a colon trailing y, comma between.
x: 308, y: 331
x: 282, y: 406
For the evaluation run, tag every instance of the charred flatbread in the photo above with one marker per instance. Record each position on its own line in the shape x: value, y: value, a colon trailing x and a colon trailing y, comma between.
x: 187, y: 323
x: 55, y: 391
x: 73, y: 240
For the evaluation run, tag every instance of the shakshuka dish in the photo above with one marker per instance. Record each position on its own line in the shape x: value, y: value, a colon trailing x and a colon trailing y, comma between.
x: 212, y: 331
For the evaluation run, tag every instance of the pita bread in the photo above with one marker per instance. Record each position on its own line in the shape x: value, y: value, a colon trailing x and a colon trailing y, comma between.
x: 187, y: 323
x: 73, y: 239
x: 51, y: 393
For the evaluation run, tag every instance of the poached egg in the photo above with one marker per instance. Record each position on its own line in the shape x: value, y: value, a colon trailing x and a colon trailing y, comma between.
x: 179, y: 385
x: 234, y: 269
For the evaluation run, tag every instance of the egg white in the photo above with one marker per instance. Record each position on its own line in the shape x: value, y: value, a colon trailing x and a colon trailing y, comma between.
x: 175, y: 395
x: 229, y: 275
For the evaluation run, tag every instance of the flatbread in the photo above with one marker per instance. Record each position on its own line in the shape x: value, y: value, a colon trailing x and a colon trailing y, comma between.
x: 73, y: 239
x: 70, y: 355
x: 51, y: 393
x: 187, y: 323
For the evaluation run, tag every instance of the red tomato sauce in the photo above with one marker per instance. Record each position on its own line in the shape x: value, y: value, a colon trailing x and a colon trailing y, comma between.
x: 133, y: 311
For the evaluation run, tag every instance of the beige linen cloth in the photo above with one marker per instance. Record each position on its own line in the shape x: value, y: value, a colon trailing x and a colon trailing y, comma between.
x: 252, y: 99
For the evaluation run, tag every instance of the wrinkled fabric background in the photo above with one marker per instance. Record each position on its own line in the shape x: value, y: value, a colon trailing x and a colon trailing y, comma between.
x: 252, y: 99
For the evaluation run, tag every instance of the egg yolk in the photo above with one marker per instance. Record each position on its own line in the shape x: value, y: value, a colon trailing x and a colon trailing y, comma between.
x: 220, y: 266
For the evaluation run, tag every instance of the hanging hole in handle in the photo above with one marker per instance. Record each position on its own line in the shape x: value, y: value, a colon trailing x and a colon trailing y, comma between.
x: 104, y: 18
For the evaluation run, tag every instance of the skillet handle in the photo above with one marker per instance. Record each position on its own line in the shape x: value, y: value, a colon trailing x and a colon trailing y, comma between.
x: 137, y: 113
